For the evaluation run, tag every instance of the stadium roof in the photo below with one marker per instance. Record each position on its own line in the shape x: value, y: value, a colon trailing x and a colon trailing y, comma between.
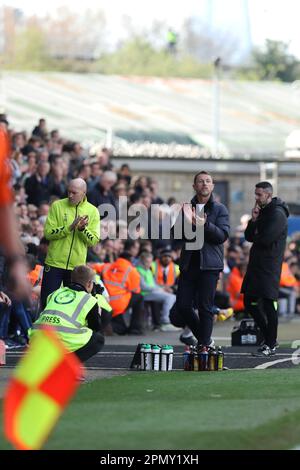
x: 155, y: 116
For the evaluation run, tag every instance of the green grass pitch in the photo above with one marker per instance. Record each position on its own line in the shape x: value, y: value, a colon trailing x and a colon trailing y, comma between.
x: 183, y: 410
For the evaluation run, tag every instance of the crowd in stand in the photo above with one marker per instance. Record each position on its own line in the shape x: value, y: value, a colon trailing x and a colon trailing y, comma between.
x: 42, y: 164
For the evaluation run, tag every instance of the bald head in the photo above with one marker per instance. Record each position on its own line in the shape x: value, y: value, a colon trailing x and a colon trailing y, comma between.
x: 76, y: 191
x: 78, y: 183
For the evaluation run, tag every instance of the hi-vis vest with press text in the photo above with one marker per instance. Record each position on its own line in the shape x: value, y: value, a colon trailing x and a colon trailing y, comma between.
x: 66, y: 311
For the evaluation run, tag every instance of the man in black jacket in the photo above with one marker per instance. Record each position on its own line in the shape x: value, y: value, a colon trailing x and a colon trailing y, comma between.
x: 37, y: 185
x: 200, y: 267
x: 267, y: 230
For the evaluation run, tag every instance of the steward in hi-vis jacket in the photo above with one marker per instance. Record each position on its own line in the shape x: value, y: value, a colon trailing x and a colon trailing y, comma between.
x: 72, y: 225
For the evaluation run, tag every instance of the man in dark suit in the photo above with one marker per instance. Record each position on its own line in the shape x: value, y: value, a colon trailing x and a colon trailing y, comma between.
x: 267, y: 230
x: 200, y: 266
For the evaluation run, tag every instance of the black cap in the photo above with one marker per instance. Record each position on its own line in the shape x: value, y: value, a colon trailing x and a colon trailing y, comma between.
x: 165, y: 252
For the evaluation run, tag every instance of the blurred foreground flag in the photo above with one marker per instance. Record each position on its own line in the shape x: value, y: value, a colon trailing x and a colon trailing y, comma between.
x: 43, y: 383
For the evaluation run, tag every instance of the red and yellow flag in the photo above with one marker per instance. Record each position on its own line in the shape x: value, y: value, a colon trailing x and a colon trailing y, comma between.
x: 43, y: 383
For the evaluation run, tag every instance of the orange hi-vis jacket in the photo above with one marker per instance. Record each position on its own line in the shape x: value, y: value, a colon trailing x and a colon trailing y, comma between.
x: 287, y: 279
x: 121, y: 280
x: 234, y: 284
x: 158, y: 271
x: 35, y: 276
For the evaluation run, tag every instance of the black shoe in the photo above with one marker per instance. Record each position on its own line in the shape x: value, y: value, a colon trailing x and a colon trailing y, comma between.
x: 263, y: 345
x: 210, y: 347
x: 19, y: 339
x: 188, y: 340
x: 265, y: 351
x: 10, y: 344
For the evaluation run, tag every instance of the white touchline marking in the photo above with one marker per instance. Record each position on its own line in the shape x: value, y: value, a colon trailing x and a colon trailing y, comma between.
x: 221, y: 338
x: 265, y: 365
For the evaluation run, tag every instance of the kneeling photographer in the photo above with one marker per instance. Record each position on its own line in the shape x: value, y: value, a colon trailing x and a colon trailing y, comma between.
x: 79, y: 313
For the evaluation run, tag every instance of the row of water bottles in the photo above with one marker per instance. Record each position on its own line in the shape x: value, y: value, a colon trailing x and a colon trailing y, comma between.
x: 203, y: 359
x: 155, y: 357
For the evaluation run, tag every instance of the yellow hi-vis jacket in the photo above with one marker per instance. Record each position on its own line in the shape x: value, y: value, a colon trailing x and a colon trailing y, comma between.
x: 66, y: 311
x: 67, y: 248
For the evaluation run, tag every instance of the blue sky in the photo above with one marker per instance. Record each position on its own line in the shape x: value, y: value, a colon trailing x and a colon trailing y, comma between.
x: 275, y: 19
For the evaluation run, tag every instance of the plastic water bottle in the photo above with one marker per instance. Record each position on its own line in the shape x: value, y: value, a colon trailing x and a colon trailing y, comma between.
x: 166, y: 357
x: 171, y: 354
x: 220, y: 358
x: 203, y: 359
x: 146, y: 357
x: 186, y: 358
x: 192, y: 355
x: 196, y: 360
x: 155, y: 356
x: 2, y: 353
x: 142, y: 352
x: 212, y: 360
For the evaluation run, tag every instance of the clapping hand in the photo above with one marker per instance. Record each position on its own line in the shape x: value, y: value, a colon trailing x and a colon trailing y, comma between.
x: 5, y: 299
x: 190, y: 214
x: 75, y: 223
x: 82, y: 222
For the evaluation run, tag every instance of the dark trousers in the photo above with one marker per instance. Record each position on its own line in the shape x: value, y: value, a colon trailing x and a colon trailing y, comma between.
x: 52, y: 279
x: 13, y: 317
x: 196, y: 290
x: 136, y: 322
x: 94, y: 345
x: 20, y: 316
x: 4, y: 320
x: 105, y: 319
x: 264, y: 312
x: 154, y: 309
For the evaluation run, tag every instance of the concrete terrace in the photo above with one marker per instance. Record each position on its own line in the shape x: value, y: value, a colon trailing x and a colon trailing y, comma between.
x: 255, y: 117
